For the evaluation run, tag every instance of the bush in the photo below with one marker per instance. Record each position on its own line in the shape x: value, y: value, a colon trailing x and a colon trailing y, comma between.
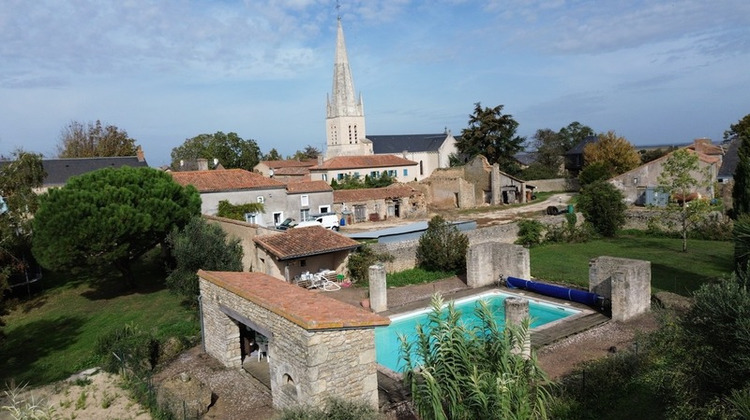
x: 359, y: 262
x: 530, y: 232
x: 335, y: 409
x: 602, y: 205
x: 200, y: 245
x: 442, y: 247
x: 127, y: 348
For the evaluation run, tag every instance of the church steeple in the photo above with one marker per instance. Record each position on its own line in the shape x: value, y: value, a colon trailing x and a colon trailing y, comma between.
x: 345, y: 116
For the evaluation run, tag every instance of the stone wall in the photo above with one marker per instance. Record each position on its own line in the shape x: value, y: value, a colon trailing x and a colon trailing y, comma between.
x: 306, y: 366
x: 626, y: 282
x: 487, y: 261
x: 245, y: 232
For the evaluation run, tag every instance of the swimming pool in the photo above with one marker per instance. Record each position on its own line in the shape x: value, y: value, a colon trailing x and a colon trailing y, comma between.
x: 388, y: 347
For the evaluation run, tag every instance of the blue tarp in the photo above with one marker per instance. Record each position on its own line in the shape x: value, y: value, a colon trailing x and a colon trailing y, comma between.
x: 587, y: 298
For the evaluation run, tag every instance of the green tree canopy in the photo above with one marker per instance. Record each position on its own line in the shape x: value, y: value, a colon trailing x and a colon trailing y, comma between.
x: 549, y: 151
x: 614, y: 151
x: 78, y: 140
x: 602, y: 205
x: 230, y: 150
x: 493, y: 135
x: 741, y: 189
x: 572, y: 134
x: 200, y: 245
x: 272, y: 154
x: 308, y: 153
x: 109, y: 217
x: 682, y: 176
x: 442, y: 247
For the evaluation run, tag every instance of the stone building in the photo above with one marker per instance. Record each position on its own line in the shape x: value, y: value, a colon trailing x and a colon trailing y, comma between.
x: 313, y: 354
x: 372, y: 204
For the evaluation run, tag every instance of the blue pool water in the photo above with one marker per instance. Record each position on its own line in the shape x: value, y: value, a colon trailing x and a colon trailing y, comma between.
x: 388, y: 347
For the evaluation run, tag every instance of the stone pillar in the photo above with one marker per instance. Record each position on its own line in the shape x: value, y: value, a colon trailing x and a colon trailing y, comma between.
x: 497, y: 195
x: 378, y: 294
x: 516, y: 312
x: 625, y: 282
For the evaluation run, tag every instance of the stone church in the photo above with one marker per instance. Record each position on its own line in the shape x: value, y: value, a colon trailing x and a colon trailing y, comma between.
x: 350, y: 151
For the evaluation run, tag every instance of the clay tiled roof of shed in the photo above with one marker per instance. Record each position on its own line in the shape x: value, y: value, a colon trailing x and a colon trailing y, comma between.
x: 295, y: 170
x: 364, y: 161
x: 304, y: 242
x: 276, y: 164
x: 308, y: 186
x: 347, y: 196
x: 310, y: 310
x: 226, y: 180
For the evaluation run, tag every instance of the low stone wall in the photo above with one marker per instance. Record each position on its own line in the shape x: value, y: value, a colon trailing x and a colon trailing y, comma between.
x: 557, y: 184
x: 626, y: 282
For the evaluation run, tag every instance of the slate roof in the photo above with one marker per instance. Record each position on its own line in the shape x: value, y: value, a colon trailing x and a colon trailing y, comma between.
x: 304, y: 242
x: 408, y: 142
x: 730, y: 160
x: 60, y: 170
x: 364, y: 194
x: 364, y: 161
x: 226, y: 180
x: 309, y: 310
x: 578, y: 148
x: 526, y: 158
x: 308, y: 187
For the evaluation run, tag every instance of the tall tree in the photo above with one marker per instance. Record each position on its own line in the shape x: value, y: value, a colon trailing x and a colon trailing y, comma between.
x: 614, y: 151
x: 308, y: 153
x: 110, y: 217
x: 741, y: 189
x: 79, y: 140
x: 682, y: 176
x: 272, y: 154
x: 493, y: 135
x: 549, y: 154
x: 230, y: 150
x: 573, y: 134
x: 18, y: 203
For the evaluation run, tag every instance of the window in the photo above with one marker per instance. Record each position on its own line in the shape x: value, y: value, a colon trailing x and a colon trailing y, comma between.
x: 324, y: 209
x: 303, y: 263
x: 260, y: 199
x: 356, y: 175
x: 406, y: 172
x: 324, y: 177
x: 340, y: 177
x: 374, y: 174
x: 421, y: 168
x: 304, y: 215
x: 305, y: 200
x: 392, y: 173
x: 251, y: 218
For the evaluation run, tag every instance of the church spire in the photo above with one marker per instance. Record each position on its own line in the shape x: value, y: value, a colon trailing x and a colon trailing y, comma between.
x: 343, y: 102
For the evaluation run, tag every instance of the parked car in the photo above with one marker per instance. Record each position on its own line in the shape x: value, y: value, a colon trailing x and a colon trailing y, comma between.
x: 286, y: 224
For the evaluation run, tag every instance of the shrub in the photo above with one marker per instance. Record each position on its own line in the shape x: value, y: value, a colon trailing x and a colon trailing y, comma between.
x: 530, y: 232
x: 359, y: 262
x: 442, y: 247
x: 200, y: 245
x: 127, y: 348
x: 335, y: 409
x: 602, y: 205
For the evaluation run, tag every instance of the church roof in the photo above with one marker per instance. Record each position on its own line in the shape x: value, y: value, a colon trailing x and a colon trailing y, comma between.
x: 364, y: 161
x: 225, y: 180
x: 407, y: 142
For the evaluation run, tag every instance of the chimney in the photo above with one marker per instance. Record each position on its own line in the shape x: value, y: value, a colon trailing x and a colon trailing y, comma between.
x: 216, y: 162
x: 139, y: 154
x: 404, y: 154
x: 202, y: 164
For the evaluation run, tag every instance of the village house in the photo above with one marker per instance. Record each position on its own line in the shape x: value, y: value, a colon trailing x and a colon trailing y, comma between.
x: 310, y: 197
x: 304, y: 249
x: 372, y: 204
x: 338, y: 168
x: 285, y: 170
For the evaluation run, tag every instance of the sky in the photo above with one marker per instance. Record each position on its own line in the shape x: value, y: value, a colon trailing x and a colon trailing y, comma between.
x: 655, y: 72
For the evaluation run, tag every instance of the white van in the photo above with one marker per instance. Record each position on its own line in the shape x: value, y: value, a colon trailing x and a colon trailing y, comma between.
x: 328, y: 221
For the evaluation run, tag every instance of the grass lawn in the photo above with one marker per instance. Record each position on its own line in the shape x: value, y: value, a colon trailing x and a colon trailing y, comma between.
x: 671, y: 269
x: 52, y: 335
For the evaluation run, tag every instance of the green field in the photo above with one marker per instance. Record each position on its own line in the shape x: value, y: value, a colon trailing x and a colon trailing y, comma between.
x: 671, y: 269
x: 52, y: 335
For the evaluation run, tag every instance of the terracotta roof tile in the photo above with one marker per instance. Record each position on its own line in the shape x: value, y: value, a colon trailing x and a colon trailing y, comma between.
x: 304, y: 242
x: 365, y: 161
x: 308, y: 186
x: 292, y: 171
x: 276, y: 164
x: 310, y: 310
x: 226, y: 180
x: 347, y: 196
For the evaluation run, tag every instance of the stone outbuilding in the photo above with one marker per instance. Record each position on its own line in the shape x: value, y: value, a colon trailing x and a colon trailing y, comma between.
x: 317, y: 347
x: 303, y: 249
x: 373, y: 204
